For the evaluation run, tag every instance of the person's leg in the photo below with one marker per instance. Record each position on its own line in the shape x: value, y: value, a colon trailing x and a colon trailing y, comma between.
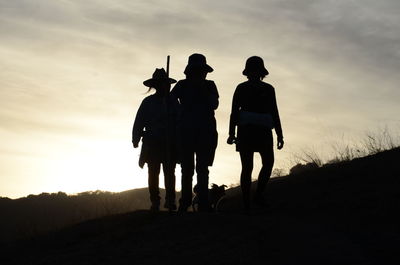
x: 187, y: 165
x: 206, y: 145
x: 154, y: 172
x: 202, y: 180
x: 246, y: 157
x: 267, y: 158
x: 169, y: 180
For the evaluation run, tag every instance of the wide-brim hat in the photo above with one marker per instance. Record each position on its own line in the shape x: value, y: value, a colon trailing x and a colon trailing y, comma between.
x: 158, y: 75
x: 198, y: 62
x: 255, y: 65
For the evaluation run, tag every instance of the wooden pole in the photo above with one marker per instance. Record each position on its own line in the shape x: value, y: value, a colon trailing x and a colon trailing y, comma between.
x: 168, y: 65
x: 169, y: 162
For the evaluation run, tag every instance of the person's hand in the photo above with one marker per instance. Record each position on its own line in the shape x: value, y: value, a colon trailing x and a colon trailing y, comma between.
x: 231, y: 140
x: 280, y: 143
x: 135, y: 145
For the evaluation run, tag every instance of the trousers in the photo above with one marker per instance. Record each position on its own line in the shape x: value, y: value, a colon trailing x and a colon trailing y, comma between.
x: 169, y: 180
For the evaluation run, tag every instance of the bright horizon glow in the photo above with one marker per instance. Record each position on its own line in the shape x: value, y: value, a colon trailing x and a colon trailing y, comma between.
x: 71, y: 76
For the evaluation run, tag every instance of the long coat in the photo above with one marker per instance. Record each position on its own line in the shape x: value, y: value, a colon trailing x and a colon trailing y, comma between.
x: 155, y: 124
x: 197, y: 128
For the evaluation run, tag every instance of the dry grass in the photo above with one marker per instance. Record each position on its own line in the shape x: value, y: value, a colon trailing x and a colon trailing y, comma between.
x: 345, y: 150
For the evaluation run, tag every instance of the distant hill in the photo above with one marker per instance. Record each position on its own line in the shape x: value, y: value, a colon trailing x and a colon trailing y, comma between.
x: 35, y: 214
x: 345, y: 213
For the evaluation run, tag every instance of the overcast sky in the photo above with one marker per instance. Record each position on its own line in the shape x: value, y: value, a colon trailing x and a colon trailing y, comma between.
x: 71, y: 76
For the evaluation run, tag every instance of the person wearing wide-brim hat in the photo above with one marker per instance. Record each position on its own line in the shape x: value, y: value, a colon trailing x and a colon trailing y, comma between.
x: 155, y: 125
x: 197, y: 129
x: 159, y: 76
x: 254, y: 114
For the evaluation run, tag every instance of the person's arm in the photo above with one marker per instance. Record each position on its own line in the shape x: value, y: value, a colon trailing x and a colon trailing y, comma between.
x: 138, y: 125
x: 213, y: 96
x: 277, y: 120
x: 234, y: 117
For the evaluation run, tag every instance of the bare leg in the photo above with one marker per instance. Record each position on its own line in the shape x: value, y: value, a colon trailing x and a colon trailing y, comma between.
x: 245, y: 177
x: 267, y: 158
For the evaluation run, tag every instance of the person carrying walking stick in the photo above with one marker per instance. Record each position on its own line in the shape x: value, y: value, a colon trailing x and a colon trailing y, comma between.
x: 197, y: 129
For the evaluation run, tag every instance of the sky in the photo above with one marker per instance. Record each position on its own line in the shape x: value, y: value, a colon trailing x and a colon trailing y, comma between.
x: 71, y: 76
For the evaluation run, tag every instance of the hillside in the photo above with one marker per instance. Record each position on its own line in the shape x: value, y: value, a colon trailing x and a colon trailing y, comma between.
x: 344, y: 213
x: 36, y: 214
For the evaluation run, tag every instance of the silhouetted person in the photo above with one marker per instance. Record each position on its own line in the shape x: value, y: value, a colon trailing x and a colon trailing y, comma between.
x: 155, y: 124
x: 255, y: 114
x: 198, y: 136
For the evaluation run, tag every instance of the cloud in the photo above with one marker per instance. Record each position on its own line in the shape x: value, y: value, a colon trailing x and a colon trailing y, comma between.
x: 324, y: 45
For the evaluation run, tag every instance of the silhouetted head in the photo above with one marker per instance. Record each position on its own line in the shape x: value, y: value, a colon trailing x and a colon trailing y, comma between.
x: 255, y: 68
x: 160, y: 81
x: 197, y: 66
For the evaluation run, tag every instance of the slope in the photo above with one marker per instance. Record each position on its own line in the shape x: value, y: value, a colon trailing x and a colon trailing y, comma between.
x: 344, y: 213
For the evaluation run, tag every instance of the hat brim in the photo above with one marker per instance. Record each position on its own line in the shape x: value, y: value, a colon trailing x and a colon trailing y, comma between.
x: 261, y: 71
x: 151, y: 82
x: 191, y: 67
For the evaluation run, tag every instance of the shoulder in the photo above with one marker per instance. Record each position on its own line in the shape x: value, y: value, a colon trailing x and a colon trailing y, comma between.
x: 267, y: 85
x: 211, y: 85
x: 180, y: 83
x: 243, y: 84
x: 242, y: 87
x: 266, y: 88
x: 148, y: 100
x: 210, y: 82
x: 178, y: 87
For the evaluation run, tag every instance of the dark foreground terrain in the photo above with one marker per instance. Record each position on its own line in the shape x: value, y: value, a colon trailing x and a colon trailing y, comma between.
x: 345, y: 213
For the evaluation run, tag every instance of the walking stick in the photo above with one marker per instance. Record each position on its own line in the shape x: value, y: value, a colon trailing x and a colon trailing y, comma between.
x: 168, y: 142
x: 168, y: 116
x: 168, y: 150
x: 168, y: 65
